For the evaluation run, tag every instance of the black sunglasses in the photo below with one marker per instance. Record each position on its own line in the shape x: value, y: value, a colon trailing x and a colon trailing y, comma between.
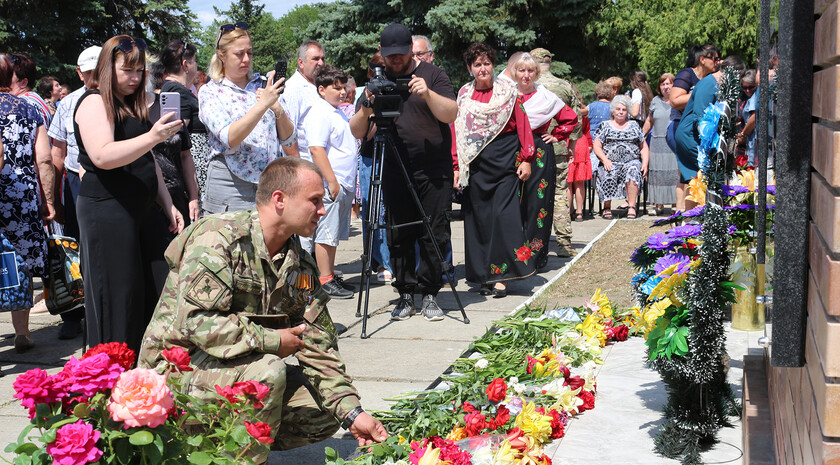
x: 127, y: 44
x: 13, y: 58
x: 225, y: 28
x: 748, y: 87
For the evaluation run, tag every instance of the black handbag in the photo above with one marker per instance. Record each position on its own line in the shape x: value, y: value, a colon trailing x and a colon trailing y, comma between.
x: 63, y: 287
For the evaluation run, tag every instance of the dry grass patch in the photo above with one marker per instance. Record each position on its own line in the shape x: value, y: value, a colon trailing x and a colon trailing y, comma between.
x: 605, y: 265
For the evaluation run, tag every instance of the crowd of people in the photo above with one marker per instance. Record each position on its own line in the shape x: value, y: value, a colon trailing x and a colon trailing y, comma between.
x: 201, y: 231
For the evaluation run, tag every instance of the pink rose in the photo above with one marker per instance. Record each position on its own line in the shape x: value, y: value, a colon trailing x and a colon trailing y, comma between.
x: 75, y: 444
x: 35, y: 387
x: 178, y: 357
x: 92, y: 375
x: 118, y: 351
x: 140, y: 398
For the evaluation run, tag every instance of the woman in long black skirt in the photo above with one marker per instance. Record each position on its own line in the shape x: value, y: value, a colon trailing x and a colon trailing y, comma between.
x: 495, y: 149
x: 552, y: 121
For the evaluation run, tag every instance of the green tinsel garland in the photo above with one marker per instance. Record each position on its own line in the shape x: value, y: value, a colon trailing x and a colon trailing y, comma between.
x: 699, y: 398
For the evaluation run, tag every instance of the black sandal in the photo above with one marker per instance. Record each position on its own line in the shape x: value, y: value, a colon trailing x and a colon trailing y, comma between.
x: 578, y: 217
x: 607, y: 214
x: 631, y: 216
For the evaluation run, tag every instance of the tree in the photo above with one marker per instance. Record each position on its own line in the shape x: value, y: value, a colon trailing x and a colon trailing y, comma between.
x: 628, y: 36
x: 54, y: 32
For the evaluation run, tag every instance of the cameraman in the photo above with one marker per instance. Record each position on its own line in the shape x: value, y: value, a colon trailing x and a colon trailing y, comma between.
x: 424, y: 141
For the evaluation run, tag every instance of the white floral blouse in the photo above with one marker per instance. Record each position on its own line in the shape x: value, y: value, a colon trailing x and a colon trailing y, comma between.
x: 222, y: 104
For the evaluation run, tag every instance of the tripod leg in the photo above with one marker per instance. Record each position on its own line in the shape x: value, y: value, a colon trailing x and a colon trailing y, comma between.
x: 428, y: 225
x: 371, y: 222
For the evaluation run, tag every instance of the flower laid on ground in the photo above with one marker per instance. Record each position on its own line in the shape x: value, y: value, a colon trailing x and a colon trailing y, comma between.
x: 98, y: 410
x: 512, y: 395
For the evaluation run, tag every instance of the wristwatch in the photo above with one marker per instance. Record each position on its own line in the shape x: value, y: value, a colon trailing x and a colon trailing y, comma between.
x: 351, y: 417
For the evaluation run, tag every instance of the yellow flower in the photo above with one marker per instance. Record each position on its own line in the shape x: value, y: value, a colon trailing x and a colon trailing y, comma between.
x: 747, y: 179
x: 401, y: 440
x: 600, y: 300
x: 457, y: 433
x: 532, y: 453
x: 430, y: 457
x: 592, y: 328
x: 533, y: 423
x: 697, y: 189
x: 506, y: 455
x: 567, y: 400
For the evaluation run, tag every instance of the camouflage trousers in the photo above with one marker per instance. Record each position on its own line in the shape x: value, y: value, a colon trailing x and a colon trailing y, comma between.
x: 562, y: 220
x: 293, y: 412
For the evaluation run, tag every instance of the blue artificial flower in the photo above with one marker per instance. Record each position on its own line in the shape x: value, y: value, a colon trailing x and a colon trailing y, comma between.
x: 681, y: 232
x: 639, y: 277
x: 771, y: 189
x: 661, y: 241
x: 650, y: 284
x: 731, y: 229
x: 734, y: 190
x: 672, y: 259
x: 708, y: 128
x: 696, y: 211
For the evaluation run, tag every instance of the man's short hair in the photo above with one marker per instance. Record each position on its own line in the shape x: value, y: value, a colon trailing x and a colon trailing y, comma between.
x: 304, y: 46
x: 283, y: 175
x: 428, y: 42
x: 328, y: 75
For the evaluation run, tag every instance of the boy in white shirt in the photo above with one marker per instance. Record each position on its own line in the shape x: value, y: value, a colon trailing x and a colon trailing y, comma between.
x: 333, y: 149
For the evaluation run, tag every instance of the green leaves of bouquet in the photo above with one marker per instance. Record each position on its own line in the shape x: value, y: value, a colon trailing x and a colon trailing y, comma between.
x: 98, y: 410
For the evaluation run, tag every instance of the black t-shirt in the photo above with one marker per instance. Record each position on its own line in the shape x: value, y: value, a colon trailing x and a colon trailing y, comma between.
x: 135, y: 179
x: 168, y: 153
x: 189, y: 106
x: 424, y: 142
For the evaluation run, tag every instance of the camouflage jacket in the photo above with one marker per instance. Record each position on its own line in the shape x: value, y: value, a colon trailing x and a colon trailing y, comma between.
x: 219, y: 272
x: 570, y: 96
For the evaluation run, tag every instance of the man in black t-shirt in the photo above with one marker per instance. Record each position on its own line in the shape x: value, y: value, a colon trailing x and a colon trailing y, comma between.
x: 424, y: 142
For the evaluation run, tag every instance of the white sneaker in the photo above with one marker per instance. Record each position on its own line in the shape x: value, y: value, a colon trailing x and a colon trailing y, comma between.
x: 384, y: 276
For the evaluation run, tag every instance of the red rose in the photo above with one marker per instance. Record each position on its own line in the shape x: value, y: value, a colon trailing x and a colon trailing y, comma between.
x: 502, y: 417
x: 497, y: 390
x: 619, y: 333
x: 565, y: 371
x: 117, y: 351
x: 575, y: 382
x: 468, y: 407
x: 741, y: 160
x: 178, y: 357
x: 588, y: 401
x: 474, y: 423
x: 531, y: 362
x: 523, y: 253
x: 260, y: 431
x: 228, y: 393
x: 252, y: 390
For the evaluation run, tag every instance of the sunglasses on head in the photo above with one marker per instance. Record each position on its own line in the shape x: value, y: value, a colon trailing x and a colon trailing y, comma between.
x: 13, y: 58
x: 225, y: 28
x: 127, y: 44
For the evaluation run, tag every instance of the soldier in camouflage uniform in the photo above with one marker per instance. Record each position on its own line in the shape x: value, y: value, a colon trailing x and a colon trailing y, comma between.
x: 570, y: 96
x: 228, y: 274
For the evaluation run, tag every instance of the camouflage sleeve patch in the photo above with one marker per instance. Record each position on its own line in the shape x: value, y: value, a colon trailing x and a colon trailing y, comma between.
x: 206, y: 290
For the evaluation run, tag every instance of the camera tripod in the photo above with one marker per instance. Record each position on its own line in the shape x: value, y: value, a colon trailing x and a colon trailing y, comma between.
x: 384, y: 133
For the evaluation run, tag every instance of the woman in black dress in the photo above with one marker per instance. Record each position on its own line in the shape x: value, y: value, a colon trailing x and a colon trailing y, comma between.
x: 123, y: 260
x: 495, y: 148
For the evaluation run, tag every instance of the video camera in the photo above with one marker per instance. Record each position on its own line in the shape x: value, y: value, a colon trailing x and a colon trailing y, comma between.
x: 388, y: 102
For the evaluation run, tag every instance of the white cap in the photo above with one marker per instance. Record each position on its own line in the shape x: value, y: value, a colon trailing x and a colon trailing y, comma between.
x: 87, y: 59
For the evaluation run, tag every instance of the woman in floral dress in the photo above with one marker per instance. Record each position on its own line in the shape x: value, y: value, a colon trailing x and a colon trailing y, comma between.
x: 25, y: 144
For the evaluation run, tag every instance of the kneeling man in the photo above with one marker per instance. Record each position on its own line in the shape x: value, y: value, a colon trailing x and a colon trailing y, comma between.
x: 235, y: 277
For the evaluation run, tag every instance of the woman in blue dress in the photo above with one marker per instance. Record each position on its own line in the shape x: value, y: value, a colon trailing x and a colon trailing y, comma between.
x: 687, y: 134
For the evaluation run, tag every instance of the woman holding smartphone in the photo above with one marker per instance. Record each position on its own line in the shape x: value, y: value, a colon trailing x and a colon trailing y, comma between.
x: 245, y: 123
x: 123, y: 260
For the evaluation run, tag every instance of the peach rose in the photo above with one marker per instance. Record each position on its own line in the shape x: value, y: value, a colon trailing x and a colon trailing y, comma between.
x: 140, y: 398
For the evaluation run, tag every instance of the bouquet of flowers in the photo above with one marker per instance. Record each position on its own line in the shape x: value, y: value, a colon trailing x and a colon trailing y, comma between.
x: 99, y: 410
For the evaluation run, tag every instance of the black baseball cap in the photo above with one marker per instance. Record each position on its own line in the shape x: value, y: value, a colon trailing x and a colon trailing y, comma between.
x: 395, y: 40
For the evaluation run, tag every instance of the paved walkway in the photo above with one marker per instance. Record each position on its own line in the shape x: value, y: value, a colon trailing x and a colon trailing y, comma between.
x: 409, y: 355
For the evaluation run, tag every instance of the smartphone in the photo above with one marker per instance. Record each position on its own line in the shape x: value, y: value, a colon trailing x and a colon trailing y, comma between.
x: 279, y: 71
x: 170, y: 101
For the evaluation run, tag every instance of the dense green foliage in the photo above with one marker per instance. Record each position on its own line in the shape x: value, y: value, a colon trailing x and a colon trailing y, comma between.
x: 54, y: 32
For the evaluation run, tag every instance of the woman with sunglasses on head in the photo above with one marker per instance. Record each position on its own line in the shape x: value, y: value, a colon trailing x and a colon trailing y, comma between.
x: 123, y: 260
x: 702, y: 61
x: 245, y: 123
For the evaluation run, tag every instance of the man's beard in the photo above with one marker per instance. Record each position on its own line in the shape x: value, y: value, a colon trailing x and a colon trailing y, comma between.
x: 400, y: 72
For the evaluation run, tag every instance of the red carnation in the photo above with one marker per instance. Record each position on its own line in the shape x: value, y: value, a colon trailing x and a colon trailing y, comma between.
x: 588, y: 401
x: 497, y: 390
x: 468, y: 407
x: 474, y: 423
x: 558, y: 430
x: 260, y: 431
x: 619, y: 333
x: 117, y: 351
x: 178, y: 357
